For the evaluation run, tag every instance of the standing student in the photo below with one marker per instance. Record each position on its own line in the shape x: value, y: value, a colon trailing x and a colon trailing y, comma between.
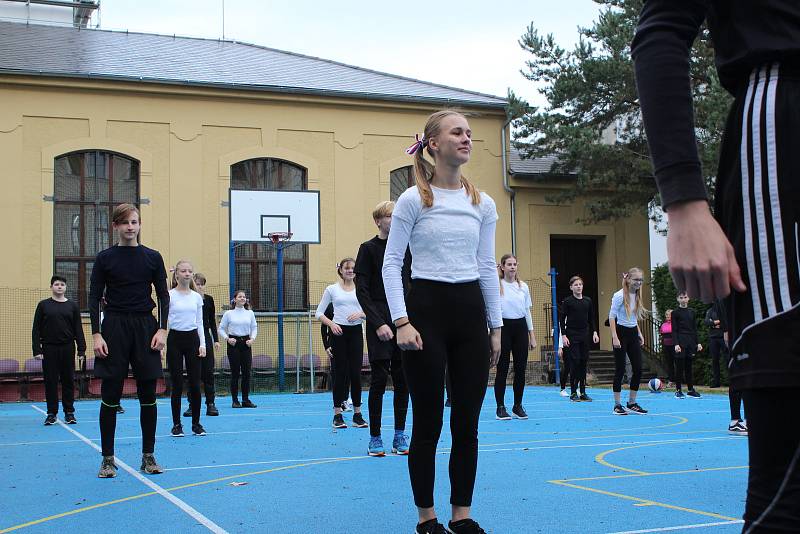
x: 453, y: 302
x: 566, y: 373
x: 129, y: 335
x: 577, y: 320
x: 384, y: 355
x: 627, y: 339
x: 684, y: 331
x: 325, y: 332
x: 186, y: 343
x: 517, y: 336
x: 737, y: 425
x: 238, y: 329
x: 211, y: 337
x: 756, y: 47
x: 668, y: 346
x: 347, y: 341
x: 716, y: 342
x: 56, y: 331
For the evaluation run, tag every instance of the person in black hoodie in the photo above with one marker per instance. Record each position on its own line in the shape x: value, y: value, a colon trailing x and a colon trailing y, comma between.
x: 684, y: 333
x: 757, y: 52
x: 716, y: 342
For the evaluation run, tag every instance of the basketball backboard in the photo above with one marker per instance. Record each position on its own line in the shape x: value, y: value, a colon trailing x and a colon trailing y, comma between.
x: 255, y: 214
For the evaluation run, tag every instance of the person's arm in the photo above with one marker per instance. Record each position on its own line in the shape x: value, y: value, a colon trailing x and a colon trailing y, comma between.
x: 36, y: 334
x: 616, y: 300
x: 97, y: 286
x: 403, y: 217
x: 323, y: 304
x: 562, y: 316
x: 487, y: 264
x: 709, y: 320
x: 77, y: 325
x: 212, y: 319
x: 528, y: 306
x: 363, y: 270
x: 199, y: 318
x: 162, y: 293
x: 223, y: 326
x: 405, y: 272
x: 325, y: 331
x: 253, y: 326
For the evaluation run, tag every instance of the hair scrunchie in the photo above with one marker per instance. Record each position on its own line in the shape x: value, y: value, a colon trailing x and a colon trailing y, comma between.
x: 419, y: 144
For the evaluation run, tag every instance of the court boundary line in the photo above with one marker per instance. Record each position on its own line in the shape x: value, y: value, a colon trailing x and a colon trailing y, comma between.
x: 679, y: 527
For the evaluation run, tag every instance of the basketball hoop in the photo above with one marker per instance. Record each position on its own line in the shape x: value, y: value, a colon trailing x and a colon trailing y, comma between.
x: 279, y: 237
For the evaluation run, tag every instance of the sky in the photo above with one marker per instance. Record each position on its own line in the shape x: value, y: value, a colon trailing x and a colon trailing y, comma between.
x: 470, y: 44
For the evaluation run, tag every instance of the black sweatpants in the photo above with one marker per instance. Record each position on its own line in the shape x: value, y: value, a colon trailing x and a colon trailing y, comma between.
x: 451, y: 319
x: 630, y: 348
x: 207, y: 365
x: 381, y: 370
x: 514, y: 339
x: 182, y: 347
x: 59, y: 364
x: 348, y: 353
x: 240, y: 357
x: 719, y: 351
x: 111, y: 393
x: 578, y: 354
x: 683, y: 367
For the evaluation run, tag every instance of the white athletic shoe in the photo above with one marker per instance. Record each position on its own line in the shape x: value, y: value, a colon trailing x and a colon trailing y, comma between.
x: 564, y: 393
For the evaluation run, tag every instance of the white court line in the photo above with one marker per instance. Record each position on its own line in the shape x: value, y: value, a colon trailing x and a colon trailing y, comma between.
x: 194, y: 514
x: 680, y: 527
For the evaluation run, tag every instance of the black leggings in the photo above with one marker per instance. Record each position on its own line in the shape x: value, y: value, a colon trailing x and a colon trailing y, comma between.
x: 207, y: 365
x: 630, y: 347
x: 381, y: 369
x: 773, y: 491
x: 184, y: 347
x: 59, y: 364
x: 240, y: 357
x: 578, y: 355
x: 514, y: 338
x: 348, y: 353
x: 111, y: 393
x: 451, y: 319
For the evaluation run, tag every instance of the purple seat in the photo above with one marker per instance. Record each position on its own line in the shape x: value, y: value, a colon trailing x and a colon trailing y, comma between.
x: 226, y: 363
x: 9, y: 366
x: 32, y: 365
x: 89, y: 364
x: 289, y: 361
x: 262, y: 361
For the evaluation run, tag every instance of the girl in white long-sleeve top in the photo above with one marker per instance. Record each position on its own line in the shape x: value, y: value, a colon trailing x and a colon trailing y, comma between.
x: 238, y: 328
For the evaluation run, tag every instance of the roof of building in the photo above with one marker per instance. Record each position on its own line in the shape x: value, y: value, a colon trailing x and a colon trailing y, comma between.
x: 32, y: 49
x: 532, y: 166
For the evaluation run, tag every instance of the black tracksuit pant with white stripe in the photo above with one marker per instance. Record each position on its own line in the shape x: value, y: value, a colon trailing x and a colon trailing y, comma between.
x: 757, y: 204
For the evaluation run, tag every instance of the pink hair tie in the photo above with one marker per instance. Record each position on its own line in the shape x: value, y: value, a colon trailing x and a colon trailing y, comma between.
x: 624, y: 276
x: 419, y: 144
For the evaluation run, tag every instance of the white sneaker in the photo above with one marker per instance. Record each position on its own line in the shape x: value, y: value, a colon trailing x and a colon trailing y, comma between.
x: 564, y: 393
x: 349, y: 404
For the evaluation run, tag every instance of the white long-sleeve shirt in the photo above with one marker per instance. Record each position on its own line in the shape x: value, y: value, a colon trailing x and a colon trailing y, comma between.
x: 452, y: 241
x: 617, y: 310
x: 516, y: 302
x: 238, y: 322
x: 345, y: 304
x: 186, y: 313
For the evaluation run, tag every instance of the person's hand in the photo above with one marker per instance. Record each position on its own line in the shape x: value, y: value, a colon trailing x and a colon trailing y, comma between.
x: 231, y: 341
x: 678, y: 348
x: 38, y: 356
x: 202, y: 352
x: 216, y: 345
x: 336, y: 330
x: 355, y: 316
x: 384, y: 332
x: 100, y: 347
x: 701, y: 259
x: 595, y: 338
x: 725, y: 337
x: 699, y: 347
x: 716, y: 323
x: 615, y: 342
x: 408, y: 338
x: 494, y: 344
x: 329, y: 350
x: 565, y: 340
x: 159, y: 340
x: 641, y: 340
x: 532, y: 341
x: 249, y: 342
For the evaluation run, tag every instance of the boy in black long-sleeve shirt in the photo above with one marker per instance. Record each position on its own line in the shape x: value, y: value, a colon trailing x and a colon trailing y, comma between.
x: 212, y: 343
x: 56, y: 330
x: 129, y: 335
x: 576, y: 322
x: 684, y: 333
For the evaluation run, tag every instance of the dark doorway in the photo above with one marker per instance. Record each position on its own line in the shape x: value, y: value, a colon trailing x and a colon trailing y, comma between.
x: 576, y: 256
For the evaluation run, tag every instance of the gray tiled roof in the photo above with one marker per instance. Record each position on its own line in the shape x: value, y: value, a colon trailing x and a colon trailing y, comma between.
x: 70, y: 52
x: 532, y: 166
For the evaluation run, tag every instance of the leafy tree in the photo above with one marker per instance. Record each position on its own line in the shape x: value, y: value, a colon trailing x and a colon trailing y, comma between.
x: 591, y: 94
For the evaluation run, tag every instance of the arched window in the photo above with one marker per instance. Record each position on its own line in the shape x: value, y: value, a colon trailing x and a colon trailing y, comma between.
x: 256, y: 270
x: 400, y: 180
x: 87, y: 187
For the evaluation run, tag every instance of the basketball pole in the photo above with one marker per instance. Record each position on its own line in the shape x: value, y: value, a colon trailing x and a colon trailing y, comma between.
x: 556, y: 333
x: 281, y: 360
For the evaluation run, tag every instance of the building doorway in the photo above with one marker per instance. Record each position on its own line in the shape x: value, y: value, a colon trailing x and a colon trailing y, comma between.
x: 576, y: 256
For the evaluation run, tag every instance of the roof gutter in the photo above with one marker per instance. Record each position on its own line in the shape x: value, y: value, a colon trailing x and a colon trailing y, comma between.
x: 508, y: 188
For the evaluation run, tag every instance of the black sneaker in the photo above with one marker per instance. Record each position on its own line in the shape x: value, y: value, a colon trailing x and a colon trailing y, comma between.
x: 739, y: 428
x: 177, y: 430
x: 236, y: 404
x: 69, y: 418
x: 635, y: 408
x: 619, y: 410
x: 198, y: 430
x: 574, y: 397
x: 120, y: 409
x: 50, y: 419
x: 585, y: 398
x: 464, y: 526
x: 211, y: 410
x: 338, y: 421
x: 679, y: 395
x: 358, y: 421
x: 692, y: 393
x: 248, y: 404
x: 107, y: 469
x: 430, y: 527
x: 519, y: 412
x: 149, y: 464
x: 502, y: 414
x: 188, y: 412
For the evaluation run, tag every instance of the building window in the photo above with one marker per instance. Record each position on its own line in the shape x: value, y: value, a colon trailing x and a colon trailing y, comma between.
x: 87, y: 187
x: 255, y: 268
x: 400, y: 180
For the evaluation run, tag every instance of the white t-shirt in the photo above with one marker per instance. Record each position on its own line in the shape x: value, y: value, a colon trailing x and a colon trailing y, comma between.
x: 344, y: 302
x: 238, y: 322
x: 516, y: 302
x: 452, y: 241
x: 186, y: 312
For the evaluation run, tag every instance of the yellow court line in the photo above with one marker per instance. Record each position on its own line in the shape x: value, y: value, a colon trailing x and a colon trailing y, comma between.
x: 641, y: 501
x: 660, y: 473
x: 175, y: 488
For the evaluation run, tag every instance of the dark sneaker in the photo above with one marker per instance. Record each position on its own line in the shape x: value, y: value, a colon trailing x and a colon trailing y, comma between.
x: 177, y: 431
x: 70, y: 419
x: 519, y: 412
x: 188, y: 412
x: 400, y: 443
x: 619, y: 410
x: 198, y: 430
x: 120, y: 409
x: 464, y: 526
x: 693, y: 394
x: 338, y: 421
x: 679, y: 395
x: 739, y: 428
x: 447, y: 404
x: 50, y: 419
x: 430, y: 527
x: 249, y: 404
x: 574, y: 397
x: 585, y: 398
x: 502, y: 414
x: 358, y: 421
x: 211, y: 410
x: 149, y: 464
x: 107, y: 469
x: 236, y: 404
x: 375, y: 447
x: 635, y: 408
